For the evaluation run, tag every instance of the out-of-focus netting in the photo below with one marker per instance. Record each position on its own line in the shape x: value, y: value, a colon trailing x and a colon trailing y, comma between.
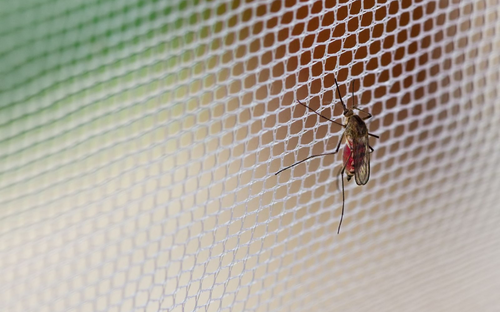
x: 139, y: 142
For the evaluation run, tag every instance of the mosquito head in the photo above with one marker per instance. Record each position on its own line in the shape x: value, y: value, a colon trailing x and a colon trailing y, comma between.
x: 348, y: 112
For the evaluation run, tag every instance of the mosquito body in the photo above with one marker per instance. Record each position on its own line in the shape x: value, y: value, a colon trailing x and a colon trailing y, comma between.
x: 356, y: 156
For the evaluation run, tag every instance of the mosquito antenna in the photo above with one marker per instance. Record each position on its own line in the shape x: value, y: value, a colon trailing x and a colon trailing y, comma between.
x: 353, y: 98
x: 299, y: 162
x: 335, y: 122
x: 340, y: 95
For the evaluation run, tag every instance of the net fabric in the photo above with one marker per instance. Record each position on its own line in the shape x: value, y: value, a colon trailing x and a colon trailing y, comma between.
x: 140, y: 139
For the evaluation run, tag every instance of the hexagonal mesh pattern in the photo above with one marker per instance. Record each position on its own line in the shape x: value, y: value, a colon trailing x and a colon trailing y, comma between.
x: 140, y: 139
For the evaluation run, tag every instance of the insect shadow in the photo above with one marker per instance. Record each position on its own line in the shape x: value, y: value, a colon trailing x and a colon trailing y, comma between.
x: 356, y: 157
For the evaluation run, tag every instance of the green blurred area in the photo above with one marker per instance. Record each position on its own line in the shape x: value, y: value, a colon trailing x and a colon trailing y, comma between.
x: 64, y: 60
x: 49, y: 45
x: 87, y: 81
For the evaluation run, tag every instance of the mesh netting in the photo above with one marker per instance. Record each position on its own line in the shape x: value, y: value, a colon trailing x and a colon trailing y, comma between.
x: 139, y: 142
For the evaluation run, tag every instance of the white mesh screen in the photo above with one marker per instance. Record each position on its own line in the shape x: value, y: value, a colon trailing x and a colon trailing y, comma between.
x: 139, y: 142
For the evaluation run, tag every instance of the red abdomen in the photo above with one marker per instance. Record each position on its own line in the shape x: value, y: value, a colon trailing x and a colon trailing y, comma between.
x: 348, y: 161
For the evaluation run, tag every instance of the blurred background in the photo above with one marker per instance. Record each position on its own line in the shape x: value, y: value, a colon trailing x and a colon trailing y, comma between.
x: 139, y: 142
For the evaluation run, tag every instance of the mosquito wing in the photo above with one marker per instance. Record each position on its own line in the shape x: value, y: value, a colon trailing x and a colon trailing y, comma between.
x: 361, y: 155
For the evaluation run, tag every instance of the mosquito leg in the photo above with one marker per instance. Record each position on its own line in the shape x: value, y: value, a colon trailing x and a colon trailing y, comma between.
x: 340, y: 142
x: 313, y: 156
x: 343, y: 201
x: 306, y: 159
x: 343, y: 195
x: 366, y: 117
x: 338, y: 123
x: 371, y: 149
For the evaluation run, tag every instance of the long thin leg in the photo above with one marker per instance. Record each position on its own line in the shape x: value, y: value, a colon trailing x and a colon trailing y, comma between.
x: 366, y: 117
x: 338, y: 123
x: 343, y: 201
x: 343, y: 196
x: 313, y: 156
x: 371, y: 149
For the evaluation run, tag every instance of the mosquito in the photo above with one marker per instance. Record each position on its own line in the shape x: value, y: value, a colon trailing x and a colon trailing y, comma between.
x: 356, y: 157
